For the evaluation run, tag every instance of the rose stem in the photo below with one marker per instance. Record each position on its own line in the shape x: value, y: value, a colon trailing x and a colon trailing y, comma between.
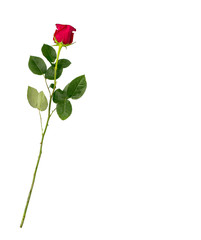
x: 43, y: 135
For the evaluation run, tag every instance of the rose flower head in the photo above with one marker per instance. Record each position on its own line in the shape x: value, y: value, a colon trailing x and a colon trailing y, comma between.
x: 64, y: 34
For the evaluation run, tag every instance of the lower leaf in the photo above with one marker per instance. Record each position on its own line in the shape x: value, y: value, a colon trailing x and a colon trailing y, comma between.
x: 37, y: 100
x: 64, y: 109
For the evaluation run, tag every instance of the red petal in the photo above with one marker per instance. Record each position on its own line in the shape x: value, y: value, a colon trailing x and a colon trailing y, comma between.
x: 70, y: 28
x: 71, y: 39
x: 60, y: 26
x: 58, y: 36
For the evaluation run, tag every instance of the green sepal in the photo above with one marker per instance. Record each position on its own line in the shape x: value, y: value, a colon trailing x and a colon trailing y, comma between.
x: 49, y: 52
x: 37, y: 65
x: 61, y: 43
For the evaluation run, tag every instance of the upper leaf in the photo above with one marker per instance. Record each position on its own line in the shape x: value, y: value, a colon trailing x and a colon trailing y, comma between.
x: 37, y: 65
x: 49, y: 52
x: 64, y: 63
x: 50, y: 72
x: 64, y: 109
x: 76, y: 88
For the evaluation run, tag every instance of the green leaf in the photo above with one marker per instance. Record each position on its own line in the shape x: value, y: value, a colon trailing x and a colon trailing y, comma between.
x: 42, y: 101
x: 37, y: 65
x: 65, y: 89
x: 59, y: 96
x: 32, y: 96
x: 37, y: 100
x: 64, y: 63
x: 50, y: 72
x: 64, y: 109
x: 76, y: 88
x: 49, y: 52
x: 52, y: 85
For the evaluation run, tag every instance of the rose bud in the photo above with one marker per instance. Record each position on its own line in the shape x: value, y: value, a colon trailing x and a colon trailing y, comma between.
x: 64, y: 34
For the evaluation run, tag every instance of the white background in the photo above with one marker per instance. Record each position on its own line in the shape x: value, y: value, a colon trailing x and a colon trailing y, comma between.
x: 127, y: 163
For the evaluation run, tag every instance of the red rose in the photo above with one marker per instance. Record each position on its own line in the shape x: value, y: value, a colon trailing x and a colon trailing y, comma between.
x: 64, y: 34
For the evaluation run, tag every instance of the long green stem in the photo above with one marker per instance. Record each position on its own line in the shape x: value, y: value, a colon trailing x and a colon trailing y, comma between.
x: 43, y: 135
x: 55, y: 69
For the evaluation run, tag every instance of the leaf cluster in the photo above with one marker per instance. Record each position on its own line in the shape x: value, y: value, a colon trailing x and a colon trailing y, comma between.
x: 73, y: 90
x: 38, y: 66
x: 37, y: 99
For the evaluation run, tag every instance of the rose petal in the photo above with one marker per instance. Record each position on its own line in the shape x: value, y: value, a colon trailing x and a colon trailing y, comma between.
x: 71, y: 39
x: 60, y: 26
x: 58, y: 36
